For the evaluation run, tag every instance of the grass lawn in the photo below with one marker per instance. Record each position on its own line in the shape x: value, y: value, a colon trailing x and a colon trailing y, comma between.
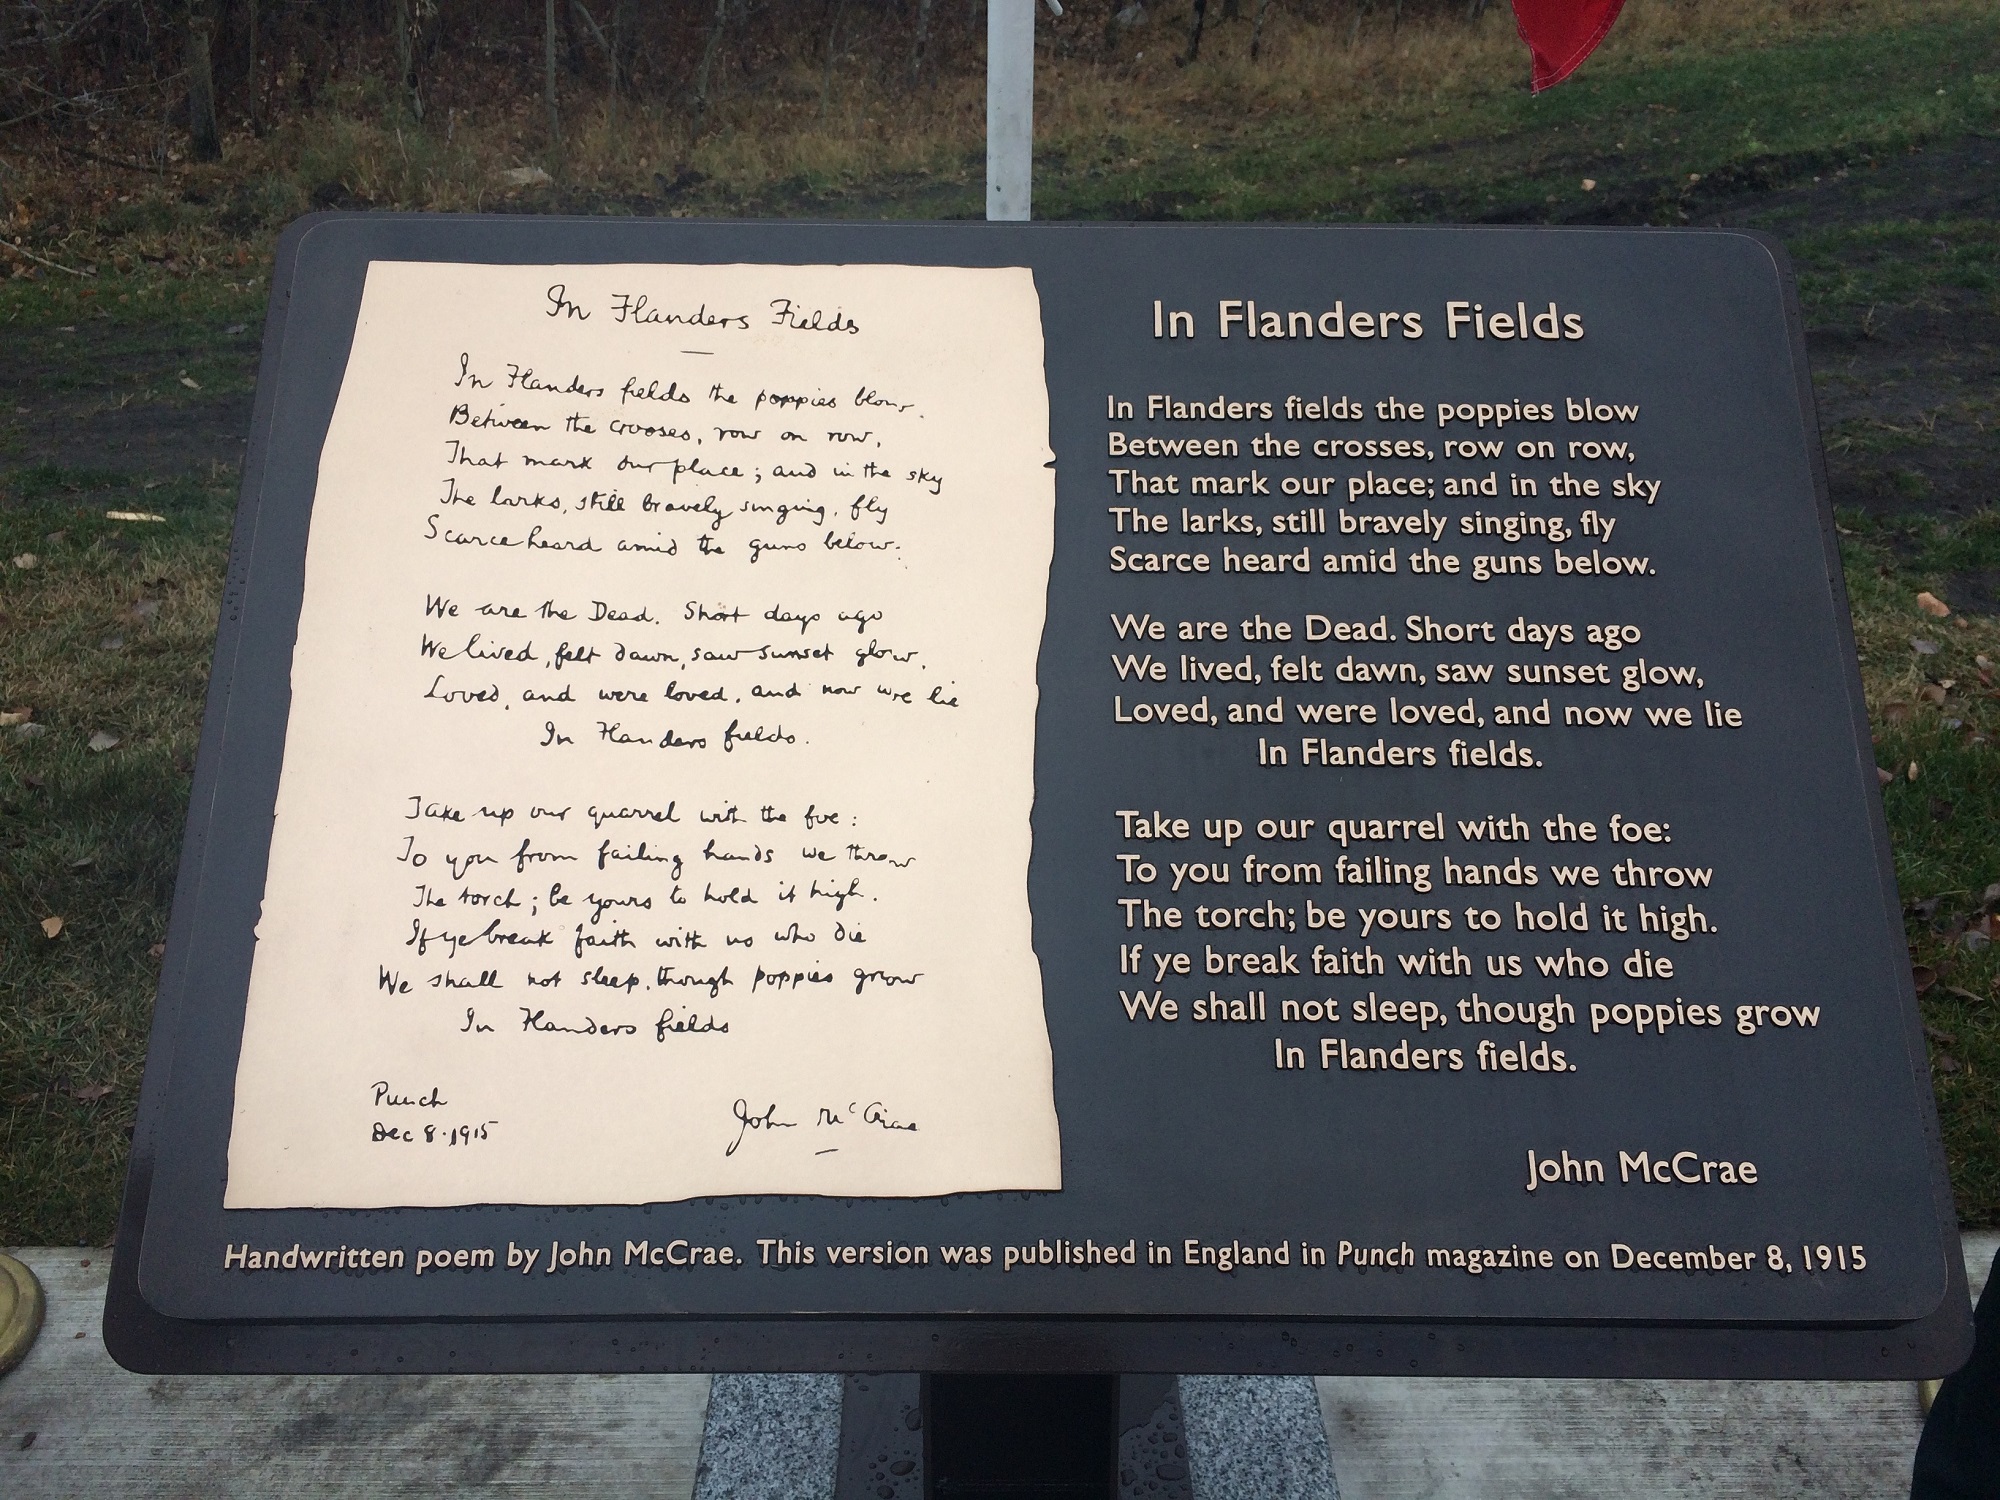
x: 1936, y: 715
x: 1868, y: 139
x: 108, y: 635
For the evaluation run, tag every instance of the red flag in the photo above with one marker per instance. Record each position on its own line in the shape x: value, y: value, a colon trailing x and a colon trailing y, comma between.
x: 1561, y: 33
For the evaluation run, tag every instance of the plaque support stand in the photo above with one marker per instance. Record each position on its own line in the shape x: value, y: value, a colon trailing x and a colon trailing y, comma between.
x: 1011, y: 1437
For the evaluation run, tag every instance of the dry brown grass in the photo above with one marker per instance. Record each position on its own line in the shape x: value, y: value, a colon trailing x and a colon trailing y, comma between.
x: 797, y: 129
x: 1317, y: 75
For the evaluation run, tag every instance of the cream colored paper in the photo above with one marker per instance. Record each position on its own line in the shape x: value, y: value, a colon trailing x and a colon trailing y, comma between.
x: 714, y: 712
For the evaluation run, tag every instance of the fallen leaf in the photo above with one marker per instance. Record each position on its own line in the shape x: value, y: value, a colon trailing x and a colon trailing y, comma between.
x: 90, y: 1093
x: 1930, y: 604
x: 1975, y: 941
x: 30, y: 731
x: 1924, y: 910
x: 83, y: 864
x: 1944, y: 1062
x: 1983, y: 662
x: 192, y: 385
x: 157, y: 951
x: 27, y: 560
x: 236, y: 328
x: 1590, y: 184
x: 1923, y: 647
x: 1896, y: 713
x: 104, y: 740
x: 139, y: 515
x: 1911, y: 773
x: 1925, y: 976
x: 1991, y: 895
x: 1952, y: 989
x: 15, y: 716
x: 145, y: 609
x: 1944, y: 1037
x: 1885, y: 776
x: 52, y: 927
x: 524, y: 177
x: 1930, y: 690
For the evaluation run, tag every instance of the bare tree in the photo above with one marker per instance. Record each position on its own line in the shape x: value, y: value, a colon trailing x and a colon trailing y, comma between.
x: 571, y: 41
x: 549, y: 70
x: 250, y: 63
x: 1194, y: 31
x: 920, y: 39
x: 708, y: 51
x: 53, y: 40
x: 606, y: 44
x: 832, y: 52
x: 1257, y: 29
x: 406, y: 68
x: 203, y: 132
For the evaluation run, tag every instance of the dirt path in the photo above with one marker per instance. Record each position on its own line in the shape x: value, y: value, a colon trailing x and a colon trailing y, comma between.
x: 1905, y: 341
x: 103, y: 396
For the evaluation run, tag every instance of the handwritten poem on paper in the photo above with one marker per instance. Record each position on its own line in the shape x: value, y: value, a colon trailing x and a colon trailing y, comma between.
x: 654, y: 816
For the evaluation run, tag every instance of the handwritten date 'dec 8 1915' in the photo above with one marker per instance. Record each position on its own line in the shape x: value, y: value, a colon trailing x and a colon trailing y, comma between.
x: 434, y: 1135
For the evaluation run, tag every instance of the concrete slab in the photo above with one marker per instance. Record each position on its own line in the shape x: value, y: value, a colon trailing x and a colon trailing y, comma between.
x: 1588, y: 1439
x: 72, y: 1424
x: 1548, y: 1439
x: 1980, y: 1249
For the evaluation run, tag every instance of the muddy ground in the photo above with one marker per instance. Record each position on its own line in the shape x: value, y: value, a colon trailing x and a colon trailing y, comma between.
x: 1908, y: 387
x: 103, y: 397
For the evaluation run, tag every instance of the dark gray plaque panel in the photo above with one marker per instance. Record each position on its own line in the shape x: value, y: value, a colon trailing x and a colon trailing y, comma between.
x: 1257, y: 1133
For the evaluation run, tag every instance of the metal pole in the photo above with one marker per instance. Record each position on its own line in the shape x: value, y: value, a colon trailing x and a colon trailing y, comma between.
x: 1010, y: 107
